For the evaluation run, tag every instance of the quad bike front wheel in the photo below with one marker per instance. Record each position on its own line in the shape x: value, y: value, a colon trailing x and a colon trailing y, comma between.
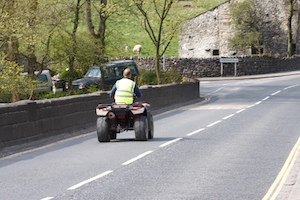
x: 102, y: 130
x: 141, y: 128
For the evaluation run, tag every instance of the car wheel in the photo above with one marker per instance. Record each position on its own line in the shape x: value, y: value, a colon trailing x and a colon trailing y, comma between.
x: 102, y: 130
x: 151, y: 126
x: 141, y: 128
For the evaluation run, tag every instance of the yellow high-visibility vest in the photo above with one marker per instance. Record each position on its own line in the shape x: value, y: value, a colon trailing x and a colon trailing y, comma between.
x: 125, y: 91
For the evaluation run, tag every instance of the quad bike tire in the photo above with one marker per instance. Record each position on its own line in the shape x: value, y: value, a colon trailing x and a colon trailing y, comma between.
x: 113, y: 135
x: 151, y: 126
x: 141, y: 128
x: 102, y: 130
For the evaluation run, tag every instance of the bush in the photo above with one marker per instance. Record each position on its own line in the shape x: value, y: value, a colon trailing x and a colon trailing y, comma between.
x: 67, y: 75
x: 50, y: 95
x: 148, y: 77
x: 13, y: 85
x: 93, y: 88
x: 4, y: 96
x: 171, y: 76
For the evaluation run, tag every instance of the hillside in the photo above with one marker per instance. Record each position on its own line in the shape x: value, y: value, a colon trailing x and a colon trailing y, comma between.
x: 126, y: 30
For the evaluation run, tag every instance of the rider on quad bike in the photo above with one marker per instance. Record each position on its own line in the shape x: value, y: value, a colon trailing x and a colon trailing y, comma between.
x: 124, y: 114
x: 125, y: 89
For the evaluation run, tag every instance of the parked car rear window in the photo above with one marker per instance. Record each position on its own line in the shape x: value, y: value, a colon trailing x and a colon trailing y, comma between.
x: 133, y: 70
x: 42, y: 78
x: 109, y: 72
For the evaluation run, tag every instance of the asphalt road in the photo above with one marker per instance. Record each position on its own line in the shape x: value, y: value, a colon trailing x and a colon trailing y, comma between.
x: 232, y: 146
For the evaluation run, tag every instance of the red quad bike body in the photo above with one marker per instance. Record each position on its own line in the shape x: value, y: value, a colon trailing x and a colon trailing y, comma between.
x: 116, y: 118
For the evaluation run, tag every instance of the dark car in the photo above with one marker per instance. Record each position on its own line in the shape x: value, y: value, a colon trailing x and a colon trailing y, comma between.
x: 113, y: 71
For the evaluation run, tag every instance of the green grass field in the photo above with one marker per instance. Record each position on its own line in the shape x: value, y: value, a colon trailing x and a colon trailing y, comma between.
x: 126, y: 30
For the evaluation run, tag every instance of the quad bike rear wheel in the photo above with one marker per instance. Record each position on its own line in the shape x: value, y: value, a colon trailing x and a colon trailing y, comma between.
x: 113, y: 135
x: 151, y: 126
x: 102, y: 130
x: 141, y: 128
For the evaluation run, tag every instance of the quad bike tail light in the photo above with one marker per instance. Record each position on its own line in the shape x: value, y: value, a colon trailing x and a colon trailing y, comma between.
x: 137, y: 110
x: 121, y: 117
x: 99, y: 106
x: 137, y: 106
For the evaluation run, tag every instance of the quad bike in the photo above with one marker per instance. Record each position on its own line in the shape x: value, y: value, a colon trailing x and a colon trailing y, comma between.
x: 116, y: 118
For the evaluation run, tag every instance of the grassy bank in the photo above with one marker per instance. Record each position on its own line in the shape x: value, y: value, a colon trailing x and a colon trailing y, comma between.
x: 126, y: 30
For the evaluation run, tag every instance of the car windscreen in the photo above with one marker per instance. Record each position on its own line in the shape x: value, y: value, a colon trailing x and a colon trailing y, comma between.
x: 93, y: 73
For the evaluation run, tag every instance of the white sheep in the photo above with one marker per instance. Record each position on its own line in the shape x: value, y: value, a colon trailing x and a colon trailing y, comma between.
x: 126, y: 48
x: 137, y: 48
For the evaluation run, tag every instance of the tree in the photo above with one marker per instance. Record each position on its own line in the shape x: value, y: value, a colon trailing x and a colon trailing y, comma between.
x: 30, y: 34
x: 63, y: 45
x: 20, y: 22
x: 291, y: 5
x: 104, y: 10
x: 9, y: 23
x: 99, y: 34
x: 153, y: 16
x: 247, y: 24
x: 72, y: 57
x: 17, y: 26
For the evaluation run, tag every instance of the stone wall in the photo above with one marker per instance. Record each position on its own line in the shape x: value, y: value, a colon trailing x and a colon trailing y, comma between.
x: 211, y: 67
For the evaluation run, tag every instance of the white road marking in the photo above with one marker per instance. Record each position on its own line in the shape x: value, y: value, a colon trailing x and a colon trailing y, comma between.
x: 90, y: 180
x: 291, y: 86
x: 239, y: 111
x: 194, y: 132
x: 212, y: 124
x: 170, y: 142
x: 251, y: 106
x: 227, y: 117
x: 136, y: 158
x: 218, y: 89
x: 276, y: 92
x: 48, y: 198
x: 266, y: 98
x: 219, y: 107
x: 215, y: 91
x: 257, y: 102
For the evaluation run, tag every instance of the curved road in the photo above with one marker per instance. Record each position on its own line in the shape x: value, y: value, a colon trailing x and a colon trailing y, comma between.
x: 232, y: 146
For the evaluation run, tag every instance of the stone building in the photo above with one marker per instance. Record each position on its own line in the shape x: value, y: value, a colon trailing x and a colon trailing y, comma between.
x: 207, y: 35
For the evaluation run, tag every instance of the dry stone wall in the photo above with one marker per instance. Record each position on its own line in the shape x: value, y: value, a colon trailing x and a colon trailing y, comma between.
x: 211, y: 67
